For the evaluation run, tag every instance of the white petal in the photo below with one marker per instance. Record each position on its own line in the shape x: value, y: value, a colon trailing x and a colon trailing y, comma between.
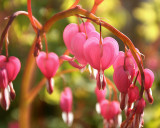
x: 69, y: 116
x: 119, y: 119
x: 98, y: 109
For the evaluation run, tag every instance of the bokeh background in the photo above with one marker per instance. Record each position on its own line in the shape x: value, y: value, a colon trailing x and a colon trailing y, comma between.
x: 138, y: 19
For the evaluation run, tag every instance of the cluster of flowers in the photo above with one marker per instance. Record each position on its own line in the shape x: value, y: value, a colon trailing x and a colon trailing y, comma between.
x: 9, y: 69
x: 88, y: 47
x: 85, y: 43
x: 125, y: 70
x: 110, y: 110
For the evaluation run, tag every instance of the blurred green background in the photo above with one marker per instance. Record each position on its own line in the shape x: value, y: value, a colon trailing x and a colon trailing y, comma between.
x: 138, y: 19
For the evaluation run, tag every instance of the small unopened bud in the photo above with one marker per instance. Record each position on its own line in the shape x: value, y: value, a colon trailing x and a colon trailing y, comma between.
x: 36, y: 52
x: 39, y: 44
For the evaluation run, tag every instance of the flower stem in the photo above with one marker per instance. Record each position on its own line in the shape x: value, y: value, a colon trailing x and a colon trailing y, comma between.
x: 30, y: 15
x: 24, y: 114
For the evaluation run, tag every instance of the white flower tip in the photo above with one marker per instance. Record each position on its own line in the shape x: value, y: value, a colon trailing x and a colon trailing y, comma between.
x: 98, y: 109
x: 68, y: 118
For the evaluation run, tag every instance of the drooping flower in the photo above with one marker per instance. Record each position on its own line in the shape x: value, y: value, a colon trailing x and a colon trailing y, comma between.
x: 124, y: 72
x: 9, y: 69
x: 148, y: 82
x: 102, y: 56
x: 66, y: 105
x: 48, y: 64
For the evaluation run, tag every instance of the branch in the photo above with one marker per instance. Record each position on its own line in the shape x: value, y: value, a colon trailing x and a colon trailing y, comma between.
x: 11, y: 19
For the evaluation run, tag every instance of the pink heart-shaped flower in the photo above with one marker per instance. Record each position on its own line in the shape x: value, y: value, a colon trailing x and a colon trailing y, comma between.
x: 149, y: 78
x: 12, y: 66
x: 92, y: 52
x: 48, y: 65
x: 68, y: 33
x: 77, y: 47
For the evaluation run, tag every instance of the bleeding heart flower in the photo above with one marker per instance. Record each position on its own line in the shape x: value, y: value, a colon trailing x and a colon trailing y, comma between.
x: 149, y: 78
x: 68, y: 33
x: 9, y: 69
x: 48, y: 66
x: 66, y: 105
x: 13, y: 67
x: 77, y: 47
x: 87, y: 27
x: 93, y: 50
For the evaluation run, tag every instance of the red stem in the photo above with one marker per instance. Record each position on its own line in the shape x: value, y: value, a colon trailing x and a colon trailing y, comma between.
x: 30, y: 15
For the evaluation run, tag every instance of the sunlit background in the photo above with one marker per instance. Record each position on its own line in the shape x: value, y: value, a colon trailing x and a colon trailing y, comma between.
x: 138, y: 19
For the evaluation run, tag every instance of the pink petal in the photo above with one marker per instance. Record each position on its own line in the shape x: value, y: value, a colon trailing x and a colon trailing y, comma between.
x: 121, y: 79
x: 68, y: 33
x: 87, y: 27
x: 3, y: 79
x: 110, y: 52
x: 94, y: 34
x: 13, y: 67
x: 3, y: 59
x: 77, y: 47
